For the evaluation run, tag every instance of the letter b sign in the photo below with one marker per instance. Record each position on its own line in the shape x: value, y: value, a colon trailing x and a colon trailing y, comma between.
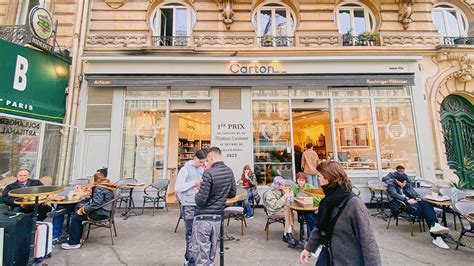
x: 19, y: 83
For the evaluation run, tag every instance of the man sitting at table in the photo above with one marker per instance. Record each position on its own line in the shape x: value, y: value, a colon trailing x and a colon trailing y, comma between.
x: 391, y: 176
x: 298, y: 191
x: 102, y: 192
x: 275, y: 203
x: 400, y: 190
x: 23, y: 180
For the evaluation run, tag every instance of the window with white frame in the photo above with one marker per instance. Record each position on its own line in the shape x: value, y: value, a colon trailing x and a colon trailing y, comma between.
x: 354, y: 19
x: 274, y: 24
x: 25, y: 7
x: 450, y: 21
x: 172, y: 24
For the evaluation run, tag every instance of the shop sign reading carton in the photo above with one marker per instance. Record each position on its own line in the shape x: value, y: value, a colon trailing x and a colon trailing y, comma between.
x: 255, y: 68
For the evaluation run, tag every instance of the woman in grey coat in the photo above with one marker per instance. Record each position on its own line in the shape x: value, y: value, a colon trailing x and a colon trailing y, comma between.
x: 342, y: 226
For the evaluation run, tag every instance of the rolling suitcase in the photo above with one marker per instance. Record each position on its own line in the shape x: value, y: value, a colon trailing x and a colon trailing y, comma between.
x: 43, y: 240
x: 17, y: 238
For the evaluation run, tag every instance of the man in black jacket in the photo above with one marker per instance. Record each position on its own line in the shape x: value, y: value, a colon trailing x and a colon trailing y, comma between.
x: 403, y: 193
x: 23, y: 180
x: 218, y: 184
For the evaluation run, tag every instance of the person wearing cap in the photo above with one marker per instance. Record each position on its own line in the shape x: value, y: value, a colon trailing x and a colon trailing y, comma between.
x: 275, y: 203
x: 402, y: 192
x: 188, y: 180
x: 391, y: 176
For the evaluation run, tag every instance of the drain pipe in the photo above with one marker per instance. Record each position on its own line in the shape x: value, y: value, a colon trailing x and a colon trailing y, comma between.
x: 74, y: 88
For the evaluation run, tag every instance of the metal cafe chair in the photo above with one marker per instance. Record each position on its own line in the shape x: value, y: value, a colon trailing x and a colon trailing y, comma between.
x: 271, y: 218
x: 107, y: 223
x: 160, y: 186
x: 465, y: 210
x: 180, y: 217
x: 409, y: 217
x: 237, y: 212
x: 446, y: 191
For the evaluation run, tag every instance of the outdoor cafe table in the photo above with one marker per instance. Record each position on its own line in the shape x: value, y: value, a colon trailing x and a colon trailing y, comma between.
x: 445, y: 205
x: 301, y: 218
x: 380, y: 207
x: 67, y: 201
x: 238, y: 197
x: 36, y: 192
x: 129, y: 211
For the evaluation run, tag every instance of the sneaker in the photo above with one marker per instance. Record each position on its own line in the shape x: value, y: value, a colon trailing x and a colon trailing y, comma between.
x: 291, y: 240
x: 285, y: 239
x: 67, y: 246
x: 249, y: 217
x: 440, y: 243
x: 439, y: 229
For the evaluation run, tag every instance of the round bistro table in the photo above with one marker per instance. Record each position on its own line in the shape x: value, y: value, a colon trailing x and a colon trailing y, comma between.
x: 36, y: 192
x: 301, y: 218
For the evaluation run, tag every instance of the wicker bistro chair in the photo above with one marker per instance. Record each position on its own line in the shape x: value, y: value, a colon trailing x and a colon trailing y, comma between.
x: 237, y: 212
x: 465, y: 210
x: 107, y: 223
x: 160, y: 186
x: 446, y: 191
x: 271, y: 218
x: 409, y: 217
x: 180, y: 217
x: 124, y: 192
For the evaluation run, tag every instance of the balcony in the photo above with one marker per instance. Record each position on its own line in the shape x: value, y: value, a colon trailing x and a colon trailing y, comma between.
x: 170, y: 40
x: 279, y: 41
x: 360, y: 40
x: 458, y: 40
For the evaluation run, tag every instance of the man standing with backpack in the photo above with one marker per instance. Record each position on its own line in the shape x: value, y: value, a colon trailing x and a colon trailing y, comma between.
x: 218, y: 184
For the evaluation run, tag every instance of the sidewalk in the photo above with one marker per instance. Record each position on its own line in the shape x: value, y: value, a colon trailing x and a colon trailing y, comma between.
x: 147, y: 240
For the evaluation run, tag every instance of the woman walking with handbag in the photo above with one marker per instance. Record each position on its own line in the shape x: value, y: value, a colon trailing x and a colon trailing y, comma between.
x: 342, y: 224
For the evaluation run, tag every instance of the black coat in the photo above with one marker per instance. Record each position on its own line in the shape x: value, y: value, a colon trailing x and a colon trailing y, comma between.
x: 218, y: 184
x: 9, y: 200
x: 298, y: 156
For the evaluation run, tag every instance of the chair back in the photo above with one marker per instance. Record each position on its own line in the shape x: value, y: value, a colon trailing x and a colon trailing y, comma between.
x: 160, y: 186
x: 79, y: 182
x: 423, y: 191
x: 125, y: 181
x: 446, y: 191
x: 7, y: 181
x: 466, y: 209
x: 376, y: 183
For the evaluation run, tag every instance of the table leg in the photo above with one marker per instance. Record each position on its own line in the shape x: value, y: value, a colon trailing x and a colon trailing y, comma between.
x: 445, y: 223
x: 221, y: 244
x: 31, y: 258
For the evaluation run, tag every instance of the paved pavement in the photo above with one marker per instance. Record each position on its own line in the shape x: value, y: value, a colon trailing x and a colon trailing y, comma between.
x: 148, y: 240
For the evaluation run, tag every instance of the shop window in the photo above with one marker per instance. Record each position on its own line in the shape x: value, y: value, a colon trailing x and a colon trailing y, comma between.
x: 25, y: 7
x: 190, y: 93
x: 396, y: 132
x: 272, y: 141
x: 355, y: 138
x: 172, y: 24
x: 356, y: 23
x: 274, y: 24
x: 451, y: 23
x: 145, y: 92
x: 99, y: 108
x: 263, y: 92
x: 144, y: 135
x: 301, y: 92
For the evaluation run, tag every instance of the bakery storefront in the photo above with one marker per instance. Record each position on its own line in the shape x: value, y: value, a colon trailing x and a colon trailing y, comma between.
x: 148, y: 115
x: 32, y: 107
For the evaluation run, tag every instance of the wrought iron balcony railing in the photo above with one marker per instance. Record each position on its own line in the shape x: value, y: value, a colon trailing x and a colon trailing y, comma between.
x: 269, y: 41
x: 170, y: 40
x: 459, y: 40
x: 349, y: 40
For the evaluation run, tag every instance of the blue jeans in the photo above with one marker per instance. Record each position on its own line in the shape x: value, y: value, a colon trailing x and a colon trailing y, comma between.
x: 313, y: 180
x: 248, y: 211
x: 58, y: 222
x: 310, y: 222
x: 424, y: 210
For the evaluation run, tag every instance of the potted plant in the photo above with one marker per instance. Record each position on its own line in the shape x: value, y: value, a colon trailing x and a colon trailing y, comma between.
x: 460, y: 40
x: 347, y: 38
x: 369, y: 38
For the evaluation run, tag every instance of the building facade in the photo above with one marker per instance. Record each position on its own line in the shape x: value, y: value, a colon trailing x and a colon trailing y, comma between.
x: 372, y: 84
x: 40, y: 142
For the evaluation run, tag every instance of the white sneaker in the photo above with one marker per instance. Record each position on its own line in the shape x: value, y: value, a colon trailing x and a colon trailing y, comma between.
x: 440, y: 243
x: 67, y: 246
x: 439, y: 229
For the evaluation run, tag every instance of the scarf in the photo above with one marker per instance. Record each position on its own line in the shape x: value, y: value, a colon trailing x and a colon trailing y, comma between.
x: 334, y: 197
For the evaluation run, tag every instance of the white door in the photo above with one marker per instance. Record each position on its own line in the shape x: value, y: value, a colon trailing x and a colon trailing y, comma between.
x: 96, y: 152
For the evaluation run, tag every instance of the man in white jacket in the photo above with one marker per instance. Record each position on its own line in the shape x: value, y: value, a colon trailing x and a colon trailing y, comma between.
x: 188, y: 181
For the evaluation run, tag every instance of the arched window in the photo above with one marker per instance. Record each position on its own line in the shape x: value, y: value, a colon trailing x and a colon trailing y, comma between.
x: 354, y: 19
x: 274, y: 24
x: 172, y: 24
x: 450, y: 21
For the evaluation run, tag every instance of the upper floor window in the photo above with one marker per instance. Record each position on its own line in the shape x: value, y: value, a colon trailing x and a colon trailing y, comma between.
x: 172, y: 24
x: 450, y: 21
x: 355, y: 19
x: 274, y: 24
x: 25, y: 7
